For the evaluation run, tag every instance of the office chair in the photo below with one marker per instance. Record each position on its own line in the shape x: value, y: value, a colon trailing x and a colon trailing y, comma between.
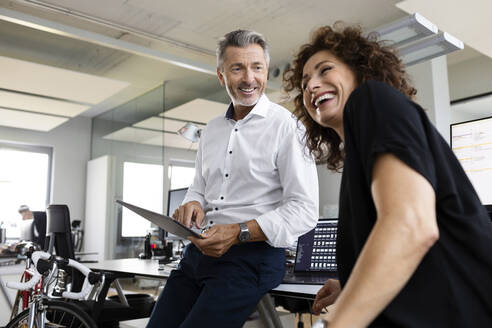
x: 59, y: 239
x: 106, y: 312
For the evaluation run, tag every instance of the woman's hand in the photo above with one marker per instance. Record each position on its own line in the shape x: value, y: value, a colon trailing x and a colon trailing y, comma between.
x: 326, y: 296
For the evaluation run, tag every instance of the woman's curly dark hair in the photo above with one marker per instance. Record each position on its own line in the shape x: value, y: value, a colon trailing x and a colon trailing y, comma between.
x: 366, y: 56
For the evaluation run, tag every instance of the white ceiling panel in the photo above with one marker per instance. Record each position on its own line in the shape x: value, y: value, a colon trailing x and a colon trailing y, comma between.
x: 30, y: 121
x: 155, y: 138
x: 56, y: 82
x: 160, y: 123
x: 197, y: 110
x: 40, y: 105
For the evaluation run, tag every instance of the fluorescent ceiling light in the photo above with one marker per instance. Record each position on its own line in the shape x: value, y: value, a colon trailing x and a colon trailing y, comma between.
x: 63, y: 84
x: 197, y: 111
x: 161, y: 124
x: 406, y: 30
x: 39, y: 104
x: 30, y: 121
x: 428, y: 48
x: 153, y: 138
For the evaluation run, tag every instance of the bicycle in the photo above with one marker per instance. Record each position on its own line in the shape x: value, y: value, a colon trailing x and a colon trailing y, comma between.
x: 46, y: 311
x: 24, y: 297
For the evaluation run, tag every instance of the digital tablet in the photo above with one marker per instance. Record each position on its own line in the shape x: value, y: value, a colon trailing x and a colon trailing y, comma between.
x: 163, y: 221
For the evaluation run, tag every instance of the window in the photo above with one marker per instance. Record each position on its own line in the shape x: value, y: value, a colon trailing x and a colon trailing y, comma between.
x: 142, y: 186
x: 180, y: 175
x: 24, y: 180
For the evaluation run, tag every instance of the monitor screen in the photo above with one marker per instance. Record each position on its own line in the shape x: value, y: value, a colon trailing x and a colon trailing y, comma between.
x: 471, y: 142
x: 316, y: 250
x: 174, y: 199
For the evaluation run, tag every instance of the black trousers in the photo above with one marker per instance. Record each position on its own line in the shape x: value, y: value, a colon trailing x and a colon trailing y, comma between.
x: 218, y: 292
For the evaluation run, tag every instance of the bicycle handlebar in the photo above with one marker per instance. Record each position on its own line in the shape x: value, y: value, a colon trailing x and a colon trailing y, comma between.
x: 36, y: 276
x: 87, y: 286
x: 89, y: 280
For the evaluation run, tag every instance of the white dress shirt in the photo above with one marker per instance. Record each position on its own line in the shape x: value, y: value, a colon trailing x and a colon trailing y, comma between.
x: 257, y: 168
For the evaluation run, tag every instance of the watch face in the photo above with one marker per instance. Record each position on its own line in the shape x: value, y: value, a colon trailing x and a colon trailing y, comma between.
x: 244, y: 235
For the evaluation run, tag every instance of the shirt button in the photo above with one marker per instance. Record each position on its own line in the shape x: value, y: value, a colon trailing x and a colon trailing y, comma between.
x: 235, y: 130
x: 227, y: 175
x: 221, y: 197
x: 230, y: 151
x: 216, y: 208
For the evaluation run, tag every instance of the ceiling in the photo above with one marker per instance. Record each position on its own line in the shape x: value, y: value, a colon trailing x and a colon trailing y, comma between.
x: 136, y: 45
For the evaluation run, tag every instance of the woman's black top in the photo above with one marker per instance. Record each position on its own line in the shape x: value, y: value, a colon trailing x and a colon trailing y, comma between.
x: 452, y: 286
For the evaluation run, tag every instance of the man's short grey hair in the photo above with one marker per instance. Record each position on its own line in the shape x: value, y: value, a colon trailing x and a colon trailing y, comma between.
x: 241, y: 39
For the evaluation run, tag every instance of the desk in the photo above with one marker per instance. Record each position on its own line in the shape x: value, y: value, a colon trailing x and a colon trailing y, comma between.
x: 138, y: 267
x: 297, y: 291
x: 150, y: 269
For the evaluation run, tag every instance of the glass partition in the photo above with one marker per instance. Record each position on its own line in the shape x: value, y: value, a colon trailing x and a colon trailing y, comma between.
x: 139, y: 145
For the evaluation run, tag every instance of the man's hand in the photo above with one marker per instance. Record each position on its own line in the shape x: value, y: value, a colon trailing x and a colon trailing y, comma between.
x: 326, y: 296
x: 217, y: 240
x: 188, y: 213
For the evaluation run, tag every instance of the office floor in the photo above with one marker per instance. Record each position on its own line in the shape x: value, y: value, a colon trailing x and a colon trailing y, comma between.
x: 153, y: 288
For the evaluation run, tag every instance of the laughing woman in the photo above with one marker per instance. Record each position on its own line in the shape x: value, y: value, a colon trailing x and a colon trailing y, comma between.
x: 414, y: 241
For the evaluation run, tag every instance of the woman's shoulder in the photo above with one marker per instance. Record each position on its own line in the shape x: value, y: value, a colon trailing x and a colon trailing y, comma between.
x: 376, y: 88
x: 379, y: 96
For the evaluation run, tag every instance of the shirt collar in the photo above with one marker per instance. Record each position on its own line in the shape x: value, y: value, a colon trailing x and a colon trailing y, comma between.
x: 260, y: 109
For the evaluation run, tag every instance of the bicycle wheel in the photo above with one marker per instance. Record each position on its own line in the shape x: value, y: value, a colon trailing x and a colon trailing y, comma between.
x: 58, y: 314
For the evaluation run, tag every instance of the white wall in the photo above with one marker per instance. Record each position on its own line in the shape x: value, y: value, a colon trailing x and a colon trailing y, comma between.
x: 329, y: 188
x: 71, y: 151
x: 470, y: 78
x: 99, y: 208
x: 430, y: 78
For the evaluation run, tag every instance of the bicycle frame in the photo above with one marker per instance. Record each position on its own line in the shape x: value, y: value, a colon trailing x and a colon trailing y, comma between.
x: 37, y: 287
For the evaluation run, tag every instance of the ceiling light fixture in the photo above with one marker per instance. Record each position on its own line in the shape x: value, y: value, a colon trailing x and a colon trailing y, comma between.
x: 406, y: 30
x: 428, y: 48
x: 417, y: 39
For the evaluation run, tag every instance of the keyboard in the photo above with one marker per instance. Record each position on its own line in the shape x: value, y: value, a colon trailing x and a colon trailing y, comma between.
x: 307, y: 278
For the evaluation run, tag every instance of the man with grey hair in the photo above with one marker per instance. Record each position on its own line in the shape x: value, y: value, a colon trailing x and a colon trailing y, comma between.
x: 255, y: 191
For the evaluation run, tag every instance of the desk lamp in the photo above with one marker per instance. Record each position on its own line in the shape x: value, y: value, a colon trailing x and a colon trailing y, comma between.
x: 190, y: 132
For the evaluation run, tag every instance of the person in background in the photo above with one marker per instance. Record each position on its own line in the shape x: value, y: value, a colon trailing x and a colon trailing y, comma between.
x: 413, y: 247
x: 255, y: 189
x: 38, y: 231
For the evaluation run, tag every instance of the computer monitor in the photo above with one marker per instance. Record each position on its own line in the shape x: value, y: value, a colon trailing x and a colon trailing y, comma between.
x: 316, y: 250
x: 174, y: 199
x: 471, y: 142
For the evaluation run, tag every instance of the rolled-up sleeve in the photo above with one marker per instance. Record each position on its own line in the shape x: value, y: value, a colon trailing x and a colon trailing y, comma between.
x: 298, y: 212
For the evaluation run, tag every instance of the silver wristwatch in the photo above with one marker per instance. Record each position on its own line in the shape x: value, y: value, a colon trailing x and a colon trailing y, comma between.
x: 244, y: 234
